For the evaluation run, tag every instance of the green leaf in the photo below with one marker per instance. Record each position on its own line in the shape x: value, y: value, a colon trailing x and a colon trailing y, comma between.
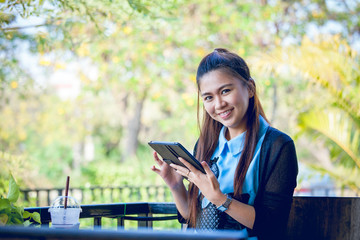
x: 27, y: 223
x: 3, y: 219
x: 17, y: 220
x: 26, y: 214
x: 19, y: 210
x: 14, y: 190
x: 16, y: 216
x: 338, y: 127
x: 4, y: 204
x: 36, y: 217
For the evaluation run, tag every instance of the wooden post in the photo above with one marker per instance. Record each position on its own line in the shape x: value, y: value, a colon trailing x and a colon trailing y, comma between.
x: 324, y: 218
x: 120, y: 223
x: 37, y: 198
x: 48, y: 197
x: 145, y: 224
x: 97, y: 222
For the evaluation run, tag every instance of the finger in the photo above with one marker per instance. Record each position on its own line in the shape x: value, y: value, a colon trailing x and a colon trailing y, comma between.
x: 206, y: 168
x: 209, y: 174
x: 157, y: 159
x: 179, y: 169
x: 154, y: 169
x: 188, y: 165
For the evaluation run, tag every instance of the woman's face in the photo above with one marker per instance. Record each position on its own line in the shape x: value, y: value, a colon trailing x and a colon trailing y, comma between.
x: 226, y: 100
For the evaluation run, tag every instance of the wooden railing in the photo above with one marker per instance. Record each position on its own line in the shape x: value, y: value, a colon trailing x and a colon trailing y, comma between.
x: 98, y: 194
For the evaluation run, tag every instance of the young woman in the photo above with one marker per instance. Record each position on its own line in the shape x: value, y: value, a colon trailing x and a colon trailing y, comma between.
x: 251, y: 168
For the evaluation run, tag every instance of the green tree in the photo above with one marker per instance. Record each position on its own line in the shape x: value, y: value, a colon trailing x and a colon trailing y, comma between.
x: 136, y: 71
x: 330, y: 68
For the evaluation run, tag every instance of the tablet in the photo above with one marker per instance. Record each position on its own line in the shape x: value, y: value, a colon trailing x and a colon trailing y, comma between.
x: 170, y: 151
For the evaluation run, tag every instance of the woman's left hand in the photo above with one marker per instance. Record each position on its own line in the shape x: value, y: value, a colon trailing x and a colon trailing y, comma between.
x: 207, y: 183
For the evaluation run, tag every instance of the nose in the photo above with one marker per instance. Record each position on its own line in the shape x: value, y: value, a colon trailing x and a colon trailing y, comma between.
x: 219, y: 103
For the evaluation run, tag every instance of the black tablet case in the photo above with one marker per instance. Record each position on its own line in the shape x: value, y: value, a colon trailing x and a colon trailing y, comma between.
x: 170, y: 151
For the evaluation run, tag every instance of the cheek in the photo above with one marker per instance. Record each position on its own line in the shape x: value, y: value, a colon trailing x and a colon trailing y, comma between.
x: 245, y: 104
x: 243, y: 100
x: 208, y: 108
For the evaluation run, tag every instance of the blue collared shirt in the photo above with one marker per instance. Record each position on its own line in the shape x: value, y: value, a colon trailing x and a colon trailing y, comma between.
x: 228, y: 154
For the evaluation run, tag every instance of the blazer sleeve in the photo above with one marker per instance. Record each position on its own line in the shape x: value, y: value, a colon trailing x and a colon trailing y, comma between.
x: 273, y: 202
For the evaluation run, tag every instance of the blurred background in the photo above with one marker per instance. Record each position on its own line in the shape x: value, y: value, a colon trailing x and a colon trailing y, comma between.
x: 84, y: 85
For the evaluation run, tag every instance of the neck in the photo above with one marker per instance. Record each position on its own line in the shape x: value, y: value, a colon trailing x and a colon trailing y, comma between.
x: 232, y: 134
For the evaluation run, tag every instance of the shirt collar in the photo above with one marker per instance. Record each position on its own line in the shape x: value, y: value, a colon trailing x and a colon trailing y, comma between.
x: 236, y: 144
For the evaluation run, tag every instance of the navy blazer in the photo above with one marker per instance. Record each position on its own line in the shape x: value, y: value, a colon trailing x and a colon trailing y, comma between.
x: 278, y: 172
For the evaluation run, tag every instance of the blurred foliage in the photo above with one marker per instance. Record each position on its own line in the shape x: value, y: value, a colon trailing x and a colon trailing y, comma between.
x: 84, y: 85
x: 331, y: 70
x: 10, y: 214
x: 18, y: 165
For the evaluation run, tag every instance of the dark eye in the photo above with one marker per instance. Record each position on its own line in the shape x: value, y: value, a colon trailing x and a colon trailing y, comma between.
x: 225, y: 91
x: 207, y: 98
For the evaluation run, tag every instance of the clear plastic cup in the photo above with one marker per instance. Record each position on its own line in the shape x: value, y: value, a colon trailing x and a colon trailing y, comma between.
x: 65, y: 218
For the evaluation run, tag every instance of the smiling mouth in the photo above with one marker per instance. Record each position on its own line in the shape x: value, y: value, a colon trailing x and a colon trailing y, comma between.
x: 225, y: 114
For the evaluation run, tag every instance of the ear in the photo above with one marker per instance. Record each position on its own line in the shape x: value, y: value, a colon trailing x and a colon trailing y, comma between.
x: 251, y: 87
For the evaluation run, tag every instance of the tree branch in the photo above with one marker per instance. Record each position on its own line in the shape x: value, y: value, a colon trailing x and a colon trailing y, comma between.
x: 23, y: 27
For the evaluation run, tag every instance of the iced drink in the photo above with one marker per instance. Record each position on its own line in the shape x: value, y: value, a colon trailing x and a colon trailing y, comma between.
x: 62, y: 217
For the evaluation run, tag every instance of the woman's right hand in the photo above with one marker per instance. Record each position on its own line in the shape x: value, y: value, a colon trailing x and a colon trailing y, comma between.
x: 173, y: 179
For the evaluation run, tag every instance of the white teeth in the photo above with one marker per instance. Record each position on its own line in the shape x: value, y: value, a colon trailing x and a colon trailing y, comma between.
x: 225, y: 113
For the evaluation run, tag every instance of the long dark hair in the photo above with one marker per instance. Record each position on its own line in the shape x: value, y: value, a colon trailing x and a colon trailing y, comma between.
x: 230, y: 63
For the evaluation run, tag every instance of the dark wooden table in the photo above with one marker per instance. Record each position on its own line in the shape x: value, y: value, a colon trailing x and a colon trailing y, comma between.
x: 142, y: 212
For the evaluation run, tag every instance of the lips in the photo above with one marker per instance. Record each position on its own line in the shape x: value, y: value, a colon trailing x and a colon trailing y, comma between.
x: 225, y: 114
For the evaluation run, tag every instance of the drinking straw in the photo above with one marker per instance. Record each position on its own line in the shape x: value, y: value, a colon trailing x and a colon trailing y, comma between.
x: 66, y: 190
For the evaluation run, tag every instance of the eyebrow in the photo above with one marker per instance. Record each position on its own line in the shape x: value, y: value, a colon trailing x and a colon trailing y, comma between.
x: 223, y: 86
